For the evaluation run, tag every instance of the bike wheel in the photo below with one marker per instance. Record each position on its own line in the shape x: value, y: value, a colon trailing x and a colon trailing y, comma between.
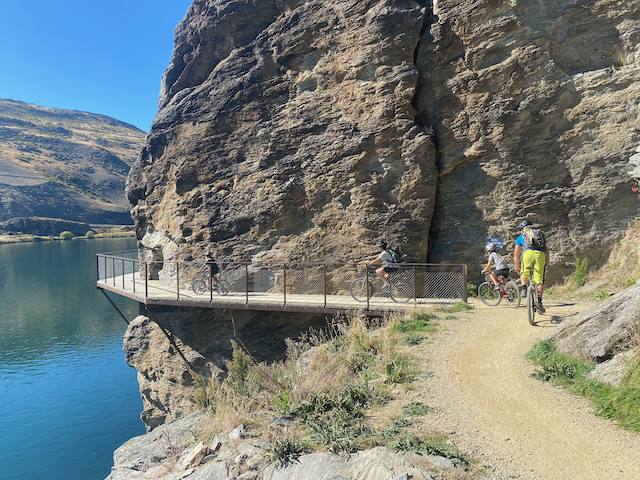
x: 361, y: 289
x: 222, y: 287
x: 401, y: 291
x: 513, y: 294
x: 488, y: 295
x: 531, y: 308
x: 199, y: 286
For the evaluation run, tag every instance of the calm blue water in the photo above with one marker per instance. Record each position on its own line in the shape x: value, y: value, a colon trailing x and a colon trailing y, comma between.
x: 67, y: 398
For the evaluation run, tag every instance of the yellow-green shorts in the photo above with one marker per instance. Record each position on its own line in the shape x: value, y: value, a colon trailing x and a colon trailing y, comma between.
x: 537, y: 260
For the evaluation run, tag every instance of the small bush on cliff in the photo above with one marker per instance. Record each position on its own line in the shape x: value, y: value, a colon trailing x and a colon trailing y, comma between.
x: 66, y: 235
x: 579, y: 277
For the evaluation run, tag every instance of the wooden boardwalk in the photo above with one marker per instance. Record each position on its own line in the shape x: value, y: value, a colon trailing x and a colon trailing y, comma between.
x: 311, y: 288
x: 158, y: 294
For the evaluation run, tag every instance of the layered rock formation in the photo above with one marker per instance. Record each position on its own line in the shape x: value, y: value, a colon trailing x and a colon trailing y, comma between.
x: 307, y: 130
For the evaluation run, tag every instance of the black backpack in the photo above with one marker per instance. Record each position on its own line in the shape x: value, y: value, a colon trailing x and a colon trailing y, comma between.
x: 396, y: 255
x: 533, y: 238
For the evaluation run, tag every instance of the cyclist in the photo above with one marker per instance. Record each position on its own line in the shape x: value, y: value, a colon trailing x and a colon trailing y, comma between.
x: 531, y: 256
x: 385, y: 260
x: 213, y: 268
x: 500, y: 267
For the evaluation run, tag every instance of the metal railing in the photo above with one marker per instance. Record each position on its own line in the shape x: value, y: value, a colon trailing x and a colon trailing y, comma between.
x: 305, y: 286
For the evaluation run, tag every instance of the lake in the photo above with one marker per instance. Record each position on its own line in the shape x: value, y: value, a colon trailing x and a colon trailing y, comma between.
x: 67, y: 398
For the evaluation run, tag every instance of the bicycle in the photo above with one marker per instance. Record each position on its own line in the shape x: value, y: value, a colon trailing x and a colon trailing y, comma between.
x: 201, y: 285
x: 492, y: 297
x: 399, y: 289
x: 532, y: 298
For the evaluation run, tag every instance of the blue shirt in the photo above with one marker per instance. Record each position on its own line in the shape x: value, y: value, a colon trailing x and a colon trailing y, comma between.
x: 520, y: 241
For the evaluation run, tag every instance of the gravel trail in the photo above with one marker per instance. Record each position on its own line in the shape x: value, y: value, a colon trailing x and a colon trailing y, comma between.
x: 517, y: 427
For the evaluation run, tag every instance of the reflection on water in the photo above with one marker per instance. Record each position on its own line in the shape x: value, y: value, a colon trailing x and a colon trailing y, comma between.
x: 67, y: 399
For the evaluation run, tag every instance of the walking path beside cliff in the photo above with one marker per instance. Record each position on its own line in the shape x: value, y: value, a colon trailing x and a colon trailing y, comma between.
x: 518, y: 427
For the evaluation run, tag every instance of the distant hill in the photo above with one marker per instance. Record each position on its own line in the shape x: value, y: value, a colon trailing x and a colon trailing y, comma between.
x: 64, y: 164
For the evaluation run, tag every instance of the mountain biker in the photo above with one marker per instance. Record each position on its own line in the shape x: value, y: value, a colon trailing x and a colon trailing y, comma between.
x: 531, y: 257
x: 213, y: 267
x: 500, y: 267
x: 384, y: 259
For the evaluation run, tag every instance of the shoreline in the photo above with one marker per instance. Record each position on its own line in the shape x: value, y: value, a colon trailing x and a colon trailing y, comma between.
x: 7, y: 239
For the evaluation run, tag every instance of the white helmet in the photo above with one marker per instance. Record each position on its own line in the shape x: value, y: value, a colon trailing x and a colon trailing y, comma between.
x: 491, y: 247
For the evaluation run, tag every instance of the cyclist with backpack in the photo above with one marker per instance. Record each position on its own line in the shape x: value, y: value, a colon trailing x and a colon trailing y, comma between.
x: 386, y: 261
x: 213, y: 267
x: 532, y: 251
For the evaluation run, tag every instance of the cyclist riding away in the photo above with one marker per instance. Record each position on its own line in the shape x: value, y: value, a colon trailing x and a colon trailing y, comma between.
x: 500, y: 267
x: 385, y: 260
x: 213, y: 267
x: 531, y: 251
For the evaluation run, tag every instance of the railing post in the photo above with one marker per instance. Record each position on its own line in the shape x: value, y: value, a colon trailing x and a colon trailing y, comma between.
x: 366, y: 286
x: 113, y: 269
x: 210, y: 285
x: 246, y: 279
x: 177, y: 281
x: 415, y: 288
x: 146, y: 282
x: 464, y: 283
x: 133, y: 274
x: 325, y: 284
x: 284, y: 281
x: 122, y: 270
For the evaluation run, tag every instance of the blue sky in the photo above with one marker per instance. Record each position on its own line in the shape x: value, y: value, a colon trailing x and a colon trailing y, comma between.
x: 99, y: 57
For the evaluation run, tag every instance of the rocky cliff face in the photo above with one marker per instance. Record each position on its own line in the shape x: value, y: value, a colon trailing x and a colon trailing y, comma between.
x: 308, y: 129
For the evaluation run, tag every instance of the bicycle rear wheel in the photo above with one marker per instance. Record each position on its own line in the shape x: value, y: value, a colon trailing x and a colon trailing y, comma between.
x: 199, y: 286
x: 401, y: 290
x: 531, y: 308
x: 513, y: 294
x: 361, y: 289
x: 488, y: 295
x: 222, y: 287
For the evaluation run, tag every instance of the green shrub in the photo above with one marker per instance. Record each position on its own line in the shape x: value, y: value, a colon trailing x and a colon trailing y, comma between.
x: 416, y: 322
x: 90, y: 235
x: 66, y: 235
x: 284, y: 451
x: 472, y: 289
x: 416, y: 408
x: 412, y: 339
x: 579, y: 277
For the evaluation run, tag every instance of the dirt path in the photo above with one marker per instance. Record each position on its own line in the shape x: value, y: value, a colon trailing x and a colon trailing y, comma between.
x: 518, y: 427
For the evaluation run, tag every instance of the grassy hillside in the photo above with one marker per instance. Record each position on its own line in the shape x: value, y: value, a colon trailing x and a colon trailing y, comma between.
x: 64, y: 164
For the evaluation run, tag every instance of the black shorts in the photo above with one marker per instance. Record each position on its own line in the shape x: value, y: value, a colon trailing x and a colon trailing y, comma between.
x: 504, y: 272
x: 389, y: 269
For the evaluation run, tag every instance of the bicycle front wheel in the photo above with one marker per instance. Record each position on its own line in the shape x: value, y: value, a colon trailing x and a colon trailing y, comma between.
x: 361, y: 289
x: 222, y: 287
x: 199, y: 286
x: 531, y: 308
x: 401, y: 291
x: 488, y: 295
x: 513, y: 294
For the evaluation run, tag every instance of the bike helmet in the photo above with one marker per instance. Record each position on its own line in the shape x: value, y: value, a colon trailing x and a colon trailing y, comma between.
x: 525, y: 223
x: 382, y: 244
x: 491, y: 247
x: 208, y: 255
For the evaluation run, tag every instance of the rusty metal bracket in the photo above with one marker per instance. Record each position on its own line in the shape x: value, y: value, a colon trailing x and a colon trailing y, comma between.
x: 114, y: 305
x: 169, y: 336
